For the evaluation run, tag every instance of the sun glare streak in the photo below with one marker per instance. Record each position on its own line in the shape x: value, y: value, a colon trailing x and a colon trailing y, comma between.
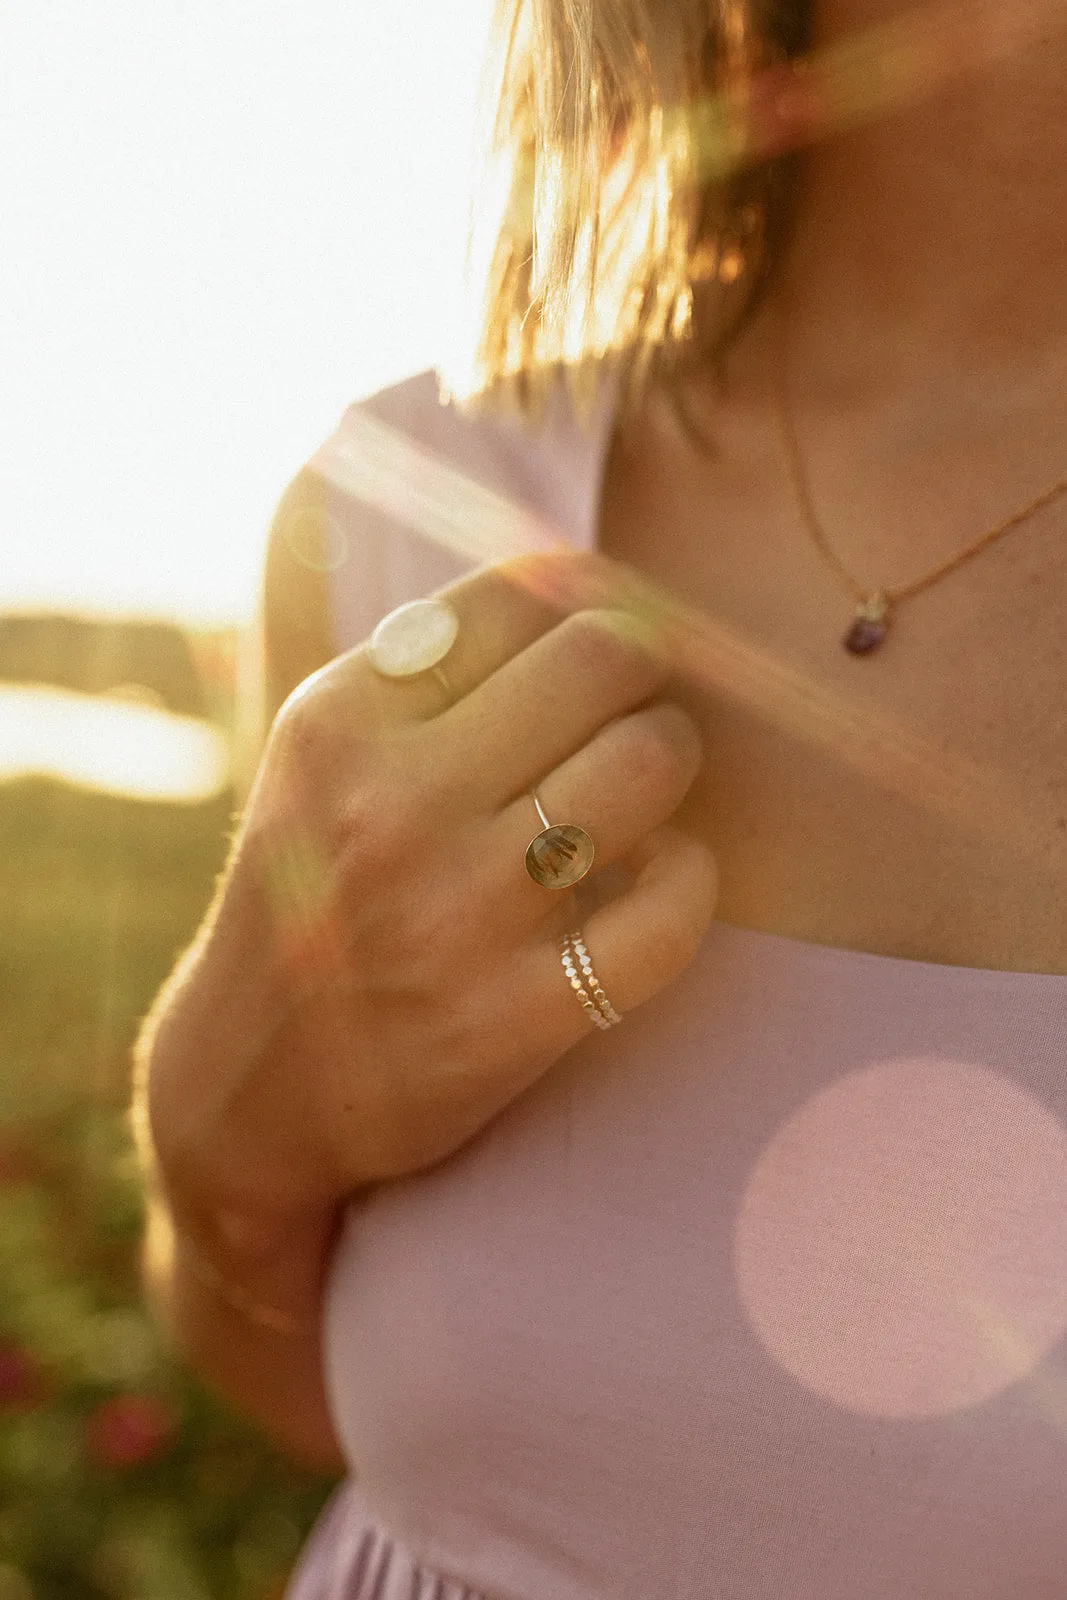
x: 869, y: 74
x: 385, y: 469
x: 866, y: 75
x: 104, y: 743
x: 300, y: 884
x: 591, y: 230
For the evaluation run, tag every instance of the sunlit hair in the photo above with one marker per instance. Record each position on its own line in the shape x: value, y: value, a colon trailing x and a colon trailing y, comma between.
x: 611, y: 218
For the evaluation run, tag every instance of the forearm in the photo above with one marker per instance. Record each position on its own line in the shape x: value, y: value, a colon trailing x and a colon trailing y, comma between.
x: 274, y: 1375
x: 222, y: 1240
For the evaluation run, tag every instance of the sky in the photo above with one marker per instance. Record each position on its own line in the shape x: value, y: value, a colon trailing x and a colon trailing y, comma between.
x: 224, y: 221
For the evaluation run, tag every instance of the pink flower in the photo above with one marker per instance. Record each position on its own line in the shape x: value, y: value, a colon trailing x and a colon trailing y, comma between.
x: 130, y: 1430
x: 23, y: 1383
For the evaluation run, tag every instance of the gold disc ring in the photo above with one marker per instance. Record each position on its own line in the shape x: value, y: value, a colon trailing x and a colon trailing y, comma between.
x: 560, y: 855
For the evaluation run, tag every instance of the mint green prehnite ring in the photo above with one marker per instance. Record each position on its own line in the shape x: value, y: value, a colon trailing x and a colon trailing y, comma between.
x: 414, y: 638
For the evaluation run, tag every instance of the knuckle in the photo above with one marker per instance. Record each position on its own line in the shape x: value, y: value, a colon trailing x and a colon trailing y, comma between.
x: 648, y: 758
x: 609, y: 641
x: 300, y: 726
x: 380, y: 834
x: 682, y: 922
x: 558, y: 577
x: 662, y: 747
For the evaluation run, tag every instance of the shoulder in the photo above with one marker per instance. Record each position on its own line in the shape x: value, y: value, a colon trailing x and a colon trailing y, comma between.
x: 408, y: 493
x: 413, y: 428
x: 414, y: 490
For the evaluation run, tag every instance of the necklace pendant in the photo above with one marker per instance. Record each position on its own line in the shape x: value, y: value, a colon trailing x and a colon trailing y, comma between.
x: 870, y: 627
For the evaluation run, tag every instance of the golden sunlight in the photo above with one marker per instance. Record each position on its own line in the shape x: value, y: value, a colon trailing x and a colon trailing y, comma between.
x: 110, y: 744
x: 226, y: 223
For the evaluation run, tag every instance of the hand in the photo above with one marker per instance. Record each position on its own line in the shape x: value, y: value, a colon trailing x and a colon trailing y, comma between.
x: 382, y: 976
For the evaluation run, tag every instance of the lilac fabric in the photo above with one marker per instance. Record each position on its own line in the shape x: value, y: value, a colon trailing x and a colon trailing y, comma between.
x: 760, y: 1296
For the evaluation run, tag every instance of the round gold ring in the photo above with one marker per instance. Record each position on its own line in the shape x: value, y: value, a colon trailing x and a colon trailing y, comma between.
x: 560, y: 855
x: 413, y: 639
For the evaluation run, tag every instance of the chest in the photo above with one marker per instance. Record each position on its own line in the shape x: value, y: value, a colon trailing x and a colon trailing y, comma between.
x: 912, y: 802
x: 763, y: 1293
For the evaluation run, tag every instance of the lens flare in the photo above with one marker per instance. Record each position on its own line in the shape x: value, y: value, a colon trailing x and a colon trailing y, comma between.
x: 383, y: 468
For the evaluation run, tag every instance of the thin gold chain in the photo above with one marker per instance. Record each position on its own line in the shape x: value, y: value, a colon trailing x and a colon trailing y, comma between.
x: 801, y: 490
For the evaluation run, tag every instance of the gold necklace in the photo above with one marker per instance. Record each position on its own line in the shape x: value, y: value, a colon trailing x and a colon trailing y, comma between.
x: 871, y: 621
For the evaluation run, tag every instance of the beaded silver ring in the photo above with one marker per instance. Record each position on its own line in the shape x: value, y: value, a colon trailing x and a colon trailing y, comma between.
x: 593, y: 999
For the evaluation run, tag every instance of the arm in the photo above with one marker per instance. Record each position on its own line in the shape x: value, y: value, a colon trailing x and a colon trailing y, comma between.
x: 273, y: 1376
x: 336, y: 1025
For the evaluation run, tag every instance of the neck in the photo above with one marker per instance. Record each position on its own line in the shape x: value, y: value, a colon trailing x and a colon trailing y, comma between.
x: 932, y: 242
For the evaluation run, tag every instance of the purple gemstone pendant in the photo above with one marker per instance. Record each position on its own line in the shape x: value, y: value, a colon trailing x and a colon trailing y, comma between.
x: 870, y: 627
x: 864, y: 636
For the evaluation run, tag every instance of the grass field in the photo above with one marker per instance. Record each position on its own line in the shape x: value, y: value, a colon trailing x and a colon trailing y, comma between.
x: 120, y: 1478
x: 97, y: 897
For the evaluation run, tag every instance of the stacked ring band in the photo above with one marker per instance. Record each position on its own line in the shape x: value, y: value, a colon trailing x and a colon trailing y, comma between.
x: 592, y: 997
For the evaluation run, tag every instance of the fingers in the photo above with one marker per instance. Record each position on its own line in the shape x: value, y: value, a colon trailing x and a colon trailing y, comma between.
x: 637, y: 944
x: 501, y: 609
x: 627, y: 781
x: 543, y: 705
x: 530, y: 689
x: 644, y: 939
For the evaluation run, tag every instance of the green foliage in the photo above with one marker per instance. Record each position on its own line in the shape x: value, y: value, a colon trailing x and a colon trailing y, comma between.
x: 121, y: 1476
x: 98, y: 895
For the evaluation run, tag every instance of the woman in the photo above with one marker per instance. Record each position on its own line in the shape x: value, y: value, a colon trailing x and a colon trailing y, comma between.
x: 719, y: 1251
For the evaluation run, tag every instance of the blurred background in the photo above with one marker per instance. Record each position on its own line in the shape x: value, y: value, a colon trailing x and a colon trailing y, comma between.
x: 223, y: 223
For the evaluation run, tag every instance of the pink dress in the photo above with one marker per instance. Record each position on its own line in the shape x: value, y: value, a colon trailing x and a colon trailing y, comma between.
x: 760, y: 1296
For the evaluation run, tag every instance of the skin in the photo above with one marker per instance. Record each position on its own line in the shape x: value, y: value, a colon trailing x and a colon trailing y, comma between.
x: 927, y: 348
x: 926, y: 376
x: 315, y: 1042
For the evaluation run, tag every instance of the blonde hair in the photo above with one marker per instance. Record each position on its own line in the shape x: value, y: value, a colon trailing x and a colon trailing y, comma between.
x: 615, y: 212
